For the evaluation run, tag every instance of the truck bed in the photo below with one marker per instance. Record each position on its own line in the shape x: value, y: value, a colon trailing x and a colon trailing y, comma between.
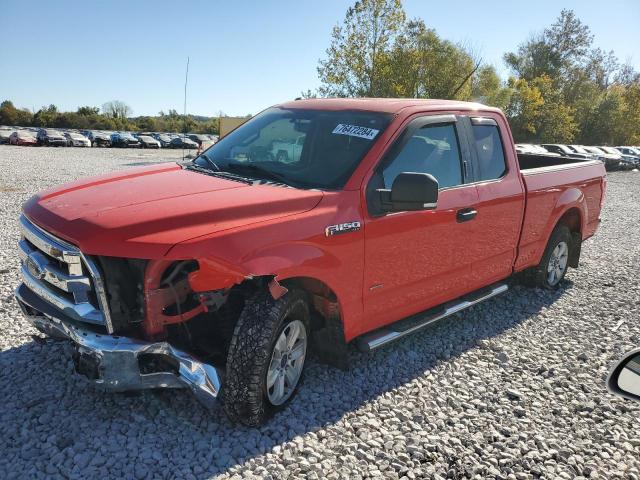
x: 550, y: 183
x: 529, y: 161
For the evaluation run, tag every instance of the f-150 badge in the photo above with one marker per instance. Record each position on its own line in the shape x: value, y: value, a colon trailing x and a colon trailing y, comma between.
x: 332, y: 230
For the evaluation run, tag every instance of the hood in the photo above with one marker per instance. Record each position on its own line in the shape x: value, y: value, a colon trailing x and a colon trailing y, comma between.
x: 143, y: 212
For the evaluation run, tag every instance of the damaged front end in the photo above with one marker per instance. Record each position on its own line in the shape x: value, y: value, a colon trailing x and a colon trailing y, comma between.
x: 133, y: 324
x: 122, y: 363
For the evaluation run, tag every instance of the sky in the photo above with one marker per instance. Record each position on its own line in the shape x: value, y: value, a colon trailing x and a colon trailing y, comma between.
x: 244, y: 55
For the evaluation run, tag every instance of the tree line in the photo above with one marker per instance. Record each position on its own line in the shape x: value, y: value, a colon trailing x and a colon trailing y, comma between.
x: 561, y: 87
x: 114, y: 115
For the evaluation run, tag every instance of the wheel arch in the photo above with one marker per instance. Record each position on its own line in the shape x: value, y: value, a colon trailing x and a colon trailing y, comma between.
x: 327, y: 321
x: 572, y: 216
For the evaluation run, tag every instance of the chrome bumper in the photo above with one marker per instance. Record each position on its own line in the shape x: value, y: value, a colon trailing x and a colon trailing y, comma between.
x: 113, y: 362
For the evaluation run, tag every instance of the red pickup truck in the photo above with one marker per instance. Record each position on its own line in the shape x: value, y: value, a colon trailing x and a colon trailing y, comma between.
x: 221, y: 273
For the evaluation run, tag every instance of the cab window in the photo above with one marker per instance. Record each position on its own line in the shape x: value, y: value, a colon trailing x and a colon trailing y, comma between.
x: 491, y: 163
x: 431, y: 149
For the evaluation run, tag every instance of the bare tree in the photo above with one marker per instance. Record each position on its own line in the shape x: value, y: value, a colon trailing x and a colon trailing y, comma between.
x: 116, y: 109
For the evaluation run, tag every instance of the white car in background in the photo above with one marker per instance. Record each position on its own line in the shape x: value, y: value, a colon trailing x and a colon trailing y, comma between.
x: 77, y: 140
x: 534, y: 149
x: 287, y: 151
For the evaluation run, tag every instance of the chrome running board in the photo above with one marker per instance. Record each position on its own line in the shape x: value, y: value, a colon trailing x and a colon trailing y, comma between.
x: 378, y: 338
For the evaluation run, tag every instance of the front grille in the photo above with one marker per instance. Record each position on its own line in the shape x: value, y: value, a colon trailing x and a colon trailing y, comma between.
x: 63, y: 276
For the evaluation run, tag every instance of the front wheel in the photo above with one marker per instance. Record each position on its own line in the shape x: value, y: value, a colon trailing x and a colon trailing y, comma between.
x: 555, y: 261
x: 266, y: 356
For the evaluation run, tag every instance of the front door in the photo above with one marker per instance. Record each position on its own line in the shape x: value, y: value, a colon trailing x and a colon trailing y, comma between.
x: 416, y: 260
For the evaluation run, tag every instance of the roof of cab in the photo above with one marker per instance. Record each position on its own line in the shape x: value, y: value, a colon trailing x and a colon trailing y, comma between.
x: 388, y: 105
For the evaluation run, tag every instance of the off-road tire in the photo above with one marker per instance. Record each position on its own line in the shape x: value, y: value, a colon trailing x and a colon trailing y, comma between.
x: 259, y: 326
x: 537, y: 276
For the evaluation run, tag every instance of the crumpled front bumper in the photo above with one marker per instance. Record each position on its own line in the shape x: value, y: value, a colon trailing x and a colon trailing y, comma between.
x: 116, y: 363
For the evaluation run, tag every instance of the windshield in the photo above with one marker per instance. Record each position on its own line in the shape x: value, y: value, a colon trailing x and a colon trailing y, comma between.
x: 304, y: 148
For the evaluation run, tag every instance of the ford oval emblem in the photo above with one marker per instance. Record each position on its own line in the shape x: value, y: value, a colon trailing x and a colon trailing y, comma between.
x: 34, y: 268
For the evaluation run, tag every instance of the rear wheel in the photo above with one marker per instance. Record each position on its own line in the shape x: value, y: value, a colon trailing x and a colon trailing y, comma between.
x: 266, y: 356
x: 555, y: 261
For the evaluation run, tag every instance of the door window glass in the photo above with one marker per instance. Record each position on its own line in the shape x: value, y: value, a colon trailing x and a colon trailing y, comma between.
x: 431, y: 149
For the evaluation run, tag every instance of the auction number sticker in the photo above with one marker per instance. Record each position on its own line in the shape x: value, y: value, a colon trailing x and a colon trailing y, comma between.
x: 355, y: 131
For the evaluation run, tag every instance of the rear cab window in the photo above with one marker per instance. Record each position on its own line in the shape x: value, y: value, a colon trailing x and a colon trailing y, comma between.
x: 488, y: 146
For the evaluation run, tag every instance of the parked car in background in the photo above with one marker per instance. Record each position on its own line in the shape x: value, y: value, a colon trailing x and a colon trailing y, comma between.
x: 581, y: 149
x: 611, y: 161
x: 99, y: 139
x: 564, y: 150
x: 632, y: 151
x: 198, y: 138
x: 124, y: 140
x: 23, y: 137
x: 285, y: 150
x: 5, y: 134
x: 148, y: 142
x: 51, y: 138
x: 163, y: 139
x: 632, y: 161
x: 531, y: 148
x: 77, y: 140
x: 183, y: 142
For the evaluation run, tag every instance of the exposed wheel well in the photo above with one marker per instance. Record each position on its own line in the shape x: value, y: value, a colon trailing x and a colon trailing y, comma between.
x: 322, y: 299
x: 573, y: 221
x: 326, y: 320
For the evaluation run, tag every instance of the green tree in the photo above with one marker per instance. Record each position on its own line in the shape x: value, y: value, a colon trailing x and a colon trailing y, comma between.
x: 46, y: 116
x: 10, y: 115
x: 488, y: 88
x: 556, y: 52
x: 357, y: 59
x: 523, y: 109
x: 88, y: 111
x: 426, y: 66
x: 556, y: 120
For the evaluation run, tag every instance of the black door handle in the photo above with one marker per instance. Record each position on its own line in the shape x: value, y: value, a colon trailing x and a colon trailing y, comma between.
x: 466, y: 214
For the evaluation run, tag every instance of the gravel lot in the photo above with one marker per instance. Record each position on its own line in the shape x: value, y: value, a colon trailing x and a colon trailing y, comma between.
x: 513, y: 388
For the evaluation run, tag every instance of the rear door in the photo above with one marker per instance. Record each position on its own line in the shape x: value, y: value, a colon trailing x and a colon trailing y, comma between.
x: 416, y: 260
x: 501, y: 200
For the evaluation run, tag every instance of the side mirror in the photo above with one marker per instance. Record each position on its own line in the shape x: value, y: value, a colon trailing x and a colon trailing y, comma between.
x: 624, y: 379
x: 409, y: 192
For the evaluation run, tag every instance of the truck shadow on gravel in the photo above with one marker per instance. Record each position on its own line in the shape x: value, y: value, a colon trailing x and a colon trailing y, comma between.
x: 53, y: 422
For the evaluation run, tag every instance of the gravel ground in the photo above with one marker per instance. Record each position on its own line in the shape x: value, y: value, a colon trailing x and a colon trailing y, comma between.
x: 513, y: 388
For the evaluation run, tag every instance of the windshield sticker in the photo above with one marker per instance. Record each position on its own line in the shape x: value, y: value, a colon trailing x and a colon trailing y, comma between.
x: 355, y: 131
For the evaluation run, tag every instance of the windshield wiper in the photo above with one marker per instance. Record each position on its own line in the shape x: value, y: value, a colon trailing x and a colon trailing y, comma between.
x: 227, y: 175
x: 265, y: 173
x: 210, y: 162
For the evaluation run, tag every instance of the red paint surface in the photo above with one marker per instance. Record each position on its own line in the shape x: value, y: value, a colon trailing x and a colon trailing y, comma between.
x: 413, y: 260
